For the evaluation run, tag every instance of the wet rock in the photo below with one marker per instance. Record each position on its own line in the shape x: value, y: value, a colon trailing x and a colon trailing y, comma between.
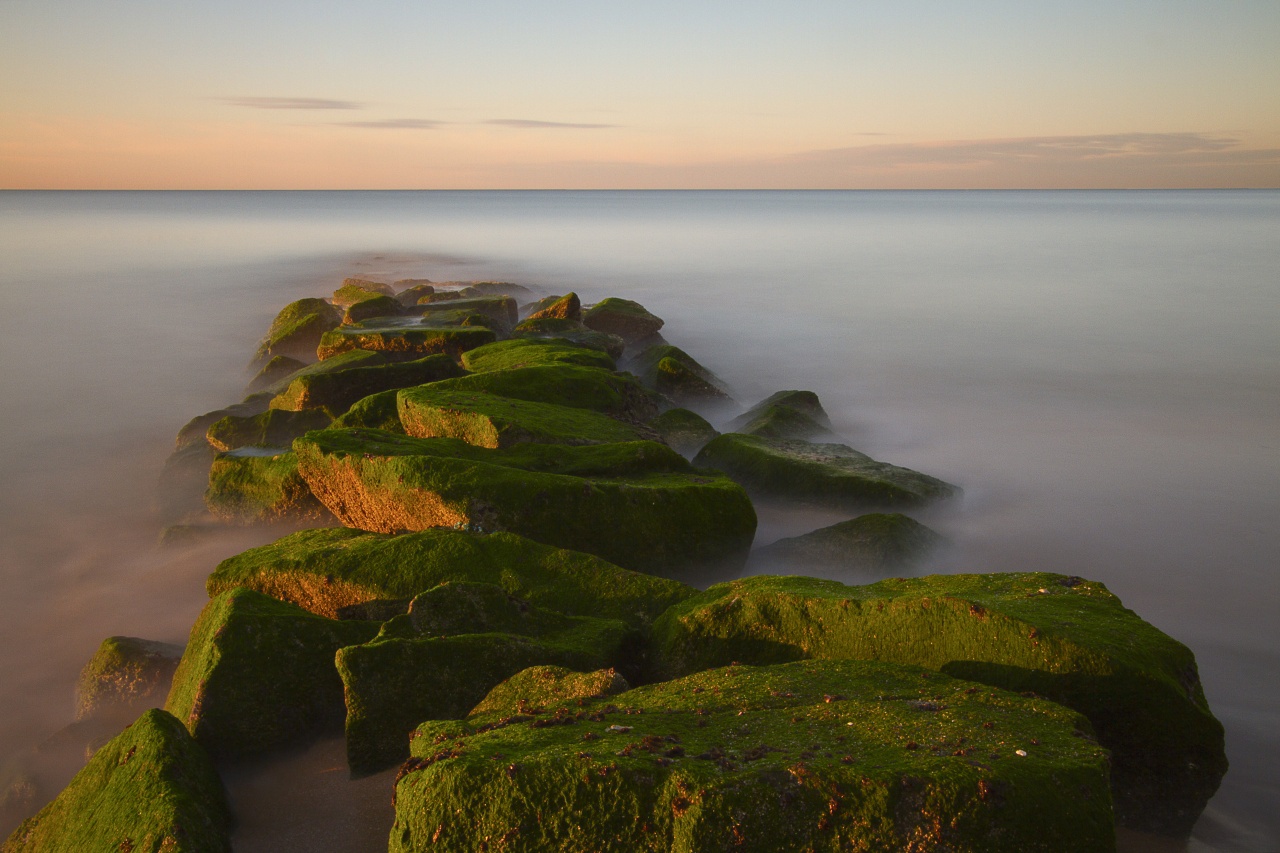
x: 567, y: 307
x: 569, y: 330
x: 337, y: 391
x: 622, y: 317
x: 1062, y: 638
x: 816, y: 755
x: 272, y: 428
x: 548, y: 687
x: 126, y: 672
x: 182, y: 482
x: 530, y: 352
x: 487, y: 420
x: 876, y: 542
x: 833, y: 475
x: 683, y: 430
x: 494, y: 288
x: 355, y: 290
x: 501, y: 310
x: 674, y: 373
x: 260, y: 485
x: 786, y: 414
x: 377, y: 411
x: 279, y: 367
x: 614, y: 394
x: 371, y: 308
x: 297, y: 329
x: 410, y: 290
x: 195, y: 431
x: 408, y: 340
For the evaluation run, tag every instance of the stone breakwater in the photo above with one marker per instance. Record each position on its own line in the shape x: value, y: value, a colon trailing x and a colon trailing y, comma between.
x: 502, y: 509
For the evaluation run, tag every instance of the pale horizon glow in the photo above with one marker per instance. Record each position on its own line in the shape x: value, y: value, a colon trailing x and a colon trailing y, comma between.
x: 771, y: 95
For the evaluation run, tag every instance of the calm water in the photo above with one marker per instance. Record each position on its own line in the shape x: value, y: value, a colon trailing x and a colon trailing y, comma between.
x: 1100, y: 371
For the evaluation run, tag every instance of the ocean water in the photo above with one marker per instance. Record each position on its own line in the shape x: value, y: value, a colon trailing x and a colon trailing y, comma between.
x: 1099, y: 371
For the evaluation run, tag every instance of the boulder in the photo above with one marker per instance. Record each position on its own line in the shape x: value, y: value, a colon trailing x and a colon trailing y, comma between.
x: 125, y: 672
x: 832, y: 475
x: 637, y: 504
x: 151, y: 788
x: 260, y: 485
x: 499, y: 309
x: 377, y: 411
x: 622, y: 317
x: 541, y: 687
x: 872, y: 543
x: 495, y: 288
x: 567, y: 307
x: 297, y: 329
x: 683, y: 430
x: 529, y: 352
x: 411, y: 340
x: 487, y: 420
x: 674, y: 373
x: 279, y: 367
x: 1063, y: 638
x: 258, y: 674
x: 375, y: 306
x: 410, y: 290
x: 337, y: 391
x: 569, y: 330
x: 195, y: 431
x: 355, y: 290
x: 273, y: 428
x: 815, y: 755
x: 614, y: 394
x: 786, y: 414
x: 329, y: 570
x: 182, y: 482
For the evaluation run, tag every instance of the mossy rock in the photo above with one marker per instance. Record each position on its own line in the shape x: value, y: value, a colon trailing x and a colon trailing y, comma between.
x: 355, y: 290
x: 683, y: 430
x: 876, y: 542
x: 297, y: 329
x: 638, y: 504
x: 410, y: 290
x: 541, y: 687
x: 440, y: 296
x: 674, y: 373
x: 337, y: 391
x: 377, y: 411
x: 786, y: 414
x: 832, y: 475
x: 1060, y: 637
x: 279, y: 367
x: 456, y: 643
x: 629, y: 320
x: 567, y: 307
x: 272, y: 428
x: 501, y: 310
x: 258, y: 674
x: 151, y: 788
x: 486, y: 420
x: 252, y: 485
x: 615, y: 394
x: 195, y: 431
x: 495, y: 288
x: 125, y: 672
x: 809, y: 756
x: 415, y: 340
x: 570, y: 330
x: 328, y: 570
x: 371, y: 308
x: 182, y: 482
x: 529, y: 352
x: 345, y: 361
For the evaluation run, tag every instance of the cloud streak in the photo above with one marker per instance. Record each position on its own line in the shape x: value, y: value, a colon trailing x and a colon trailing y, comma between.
x: 532, y: 123
x: 259, y: 103
x: 395, y: 124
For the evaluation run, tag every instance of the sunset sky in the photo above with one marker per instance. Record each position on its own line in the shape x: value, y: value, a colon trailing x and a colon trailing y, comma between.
x: 497, y: 94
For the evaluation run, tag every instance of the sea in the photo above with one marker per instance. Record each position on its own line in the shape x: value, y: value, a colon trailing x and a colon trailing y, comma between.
x: 1098, y: 370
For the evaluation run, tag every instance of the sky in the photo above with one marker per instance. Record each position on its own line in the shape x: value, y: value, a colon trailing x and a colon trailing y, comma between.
x: 489, y: 94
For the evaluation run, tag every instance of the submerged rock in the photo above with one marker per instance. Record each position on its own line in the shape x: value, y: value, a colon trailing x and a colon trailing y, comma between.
x: 786, y: 414
x: 337, y: 391
x: 1060, y: 637
x: 541, y: 687
x: 833, y: 475
x: 615, y: 394
x: 125, y: 672
x: 252, y: 485
x: 415, y: 340
x: 486, y: 420
x: 529, y: 352
x: 567, y: 307
x: 151, y: 788
x: 297, y: 329
x: 637, y: 504
x: 816, y: 755
x: 272, y: 428
x: 622, y: 317
x: 876, y: 542
x: 683, y: 430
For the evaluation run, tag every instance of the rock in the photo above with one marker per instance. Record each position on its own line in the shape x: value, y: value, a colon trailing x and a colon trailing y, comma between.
x: 637, y: 504
x: 815, y: 755
x: 410, y: 290
x: 415, y: 341
x: 674, y: 373
x: 182, y: 482
x: 500, y: 309
x: 279, y: 367
x: 786, y: 414
x: 540, y: 687
x: 683, y: 430
x: 614, y: 394
x: 337, y: 391
x: 258, y: 674
x: 377, y: 411
x: 472, y: 289
x: 529, y: 352
x: 327, y: 570
x: 151, y: 788
x: 297, y: 329
x: 487, y: 420
x: 567, y: 307
x: 456, y: 643
x: 1063, y: 638
x: 355, y: 290
x: 832, y: 475
x: 876, y: 542
x: 439, y: 296
x: 195, y: 431
x: 568, y: 330
x: 183, y: 535
x: 371, y: 308
x: 622, y: 317
x: 126, y: 672
x: 272, y: 428
x: 260, y: 485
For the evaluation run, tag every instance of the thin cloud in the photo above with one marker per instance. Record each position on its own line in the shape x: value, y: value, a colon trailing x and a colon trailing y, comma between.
x: 524, y: 122
x: 395, y: 124
x: 292, y: 103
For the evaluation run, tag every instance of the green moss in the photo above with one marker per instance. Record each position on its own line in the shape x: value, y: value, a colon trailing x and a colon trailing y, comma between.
x: 272, y: 428
x: 683, y: 430
x: 410, y: 290
x: 541, y: 687
x: 495, y: 288
x: 336, y: 391
x: 377, y: 411
x: 786, y: 414
x: 831, y: 475
x: 378, y: 305
x: 486, y: 420
x: 278, y: 368
x: 125, y: 671
x: 297, y: 329
x: 258, y: 674
x: 615, y: 394
x: 499, y: 309
x: 876, y: 542
x: 355, y: 290
x: 194, y: 431
x: 567, y: 307
x: 570, y: 330
x: 151, y: 788
x: 527, y: 352
x: 456, y: 643
x: 673, y: 372
x: 818, y: 755
x: 622, y: 317
x: 420, y: 340
x: 328, y: 569
x: 1063, y: 638
x: 251, y: 485
x: 637, y: 504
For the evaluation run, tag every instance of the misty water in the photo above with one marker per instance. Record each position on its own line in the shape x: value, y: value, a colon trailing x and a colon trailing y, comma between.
x: 1099, y: 371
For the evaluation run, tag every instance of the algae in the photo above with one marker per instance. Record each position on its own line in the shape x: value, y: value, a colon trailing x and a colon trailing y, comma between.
x: 486, y: 420
x: 527, y: 352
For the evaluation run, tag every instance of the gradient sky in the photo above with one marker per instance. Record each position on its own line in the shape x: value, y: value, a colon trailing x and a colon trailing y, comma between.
x: 492, y: 94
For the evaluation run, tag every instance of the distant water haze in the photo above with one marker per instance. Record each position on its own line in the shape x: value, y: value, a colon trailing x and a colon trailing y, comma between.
x: 1099, y: 371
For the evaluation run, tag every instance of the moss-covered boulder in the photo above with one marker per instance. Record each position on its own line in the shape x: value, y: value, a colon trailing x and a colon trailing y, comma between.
x: 528, y: 352
x: 260, y: 484
x: 410, y: 290
x: 487, y: 420
x: 337, y: 391
x: 786, y: 414
x: 375, y: 306
x: 622, y: 317
x: 501, y: 310
x: 411, y: 340
x: 473, y: 289
x: 328, y: 570
x: 570, y: 330
x: 455, y: 644
x: 195, y: 431
x: 674, y: 373
x: 832, y: 475
x: 151, y: 788
x: 539, y: 688
x: 258, y: 674
x: 615, y: 394
x: 377, y: 411
x: 276, y: 369
x: 125, y: 673
x: 637, y: 504
x: 272, y: 428
x: 297, y: 329
x: 817, y: 756
x: 355, y: 290
x: 872, y: 543
x: 683, y: 430
x: 567, y: 307
x: 183, y: 480
x: 1060, y: 637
